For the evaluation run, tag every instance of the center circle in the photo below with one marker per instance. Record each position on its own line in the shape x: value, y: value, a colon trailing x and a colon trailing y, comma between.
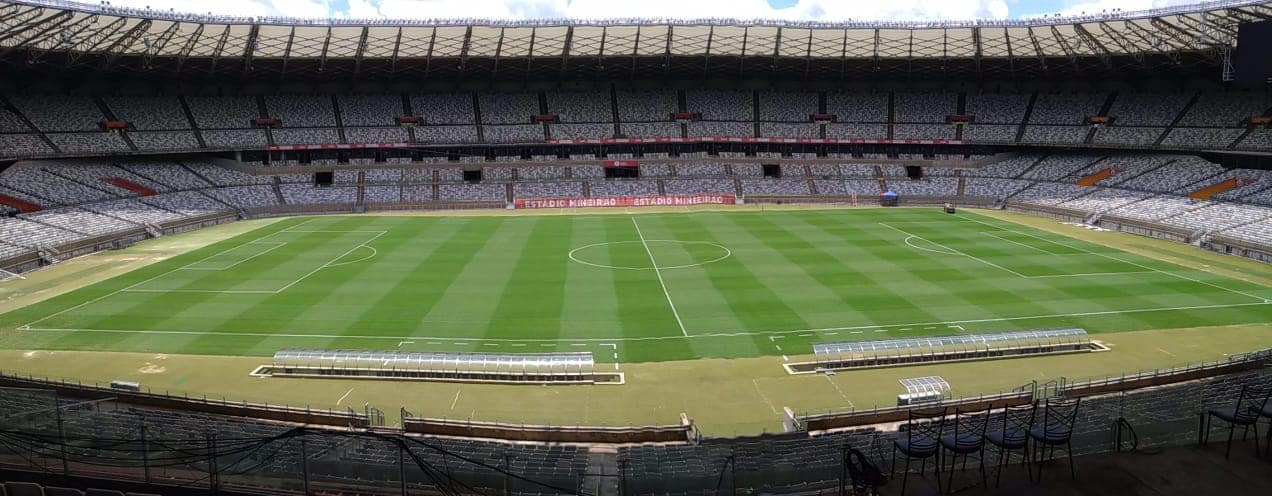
x: 692, y: 254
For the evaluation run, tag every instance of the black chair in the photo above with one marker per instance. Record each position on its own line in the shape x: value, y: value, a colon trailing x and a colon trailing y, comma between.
x: 866, y: 478
x: 1012, y: 435
x: 920, y: 440
x: 1056, y: 428
x: 1244, y: 413
x: 968, y: 437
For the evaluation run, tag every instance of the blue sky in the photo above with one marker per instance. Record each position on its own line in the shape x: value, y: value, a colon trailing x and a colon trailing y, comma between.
x: 817, y: 10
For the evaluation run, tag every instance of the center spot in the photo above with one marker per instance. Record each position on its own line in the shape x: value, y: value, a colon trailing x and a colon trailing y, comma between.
x: 633, y: 255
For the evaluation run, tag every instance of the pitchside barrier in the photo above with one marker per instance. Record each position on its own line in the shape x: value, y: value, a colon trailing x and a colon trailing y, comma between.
x: 1233, y: 365
x: 281, y: 413
x: 627, y: 201
x: 684, y: 432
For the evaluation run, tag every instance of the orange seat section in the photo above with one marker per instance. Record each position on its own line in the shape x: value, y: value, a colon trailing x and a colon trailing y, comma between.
x: 1095, y: 178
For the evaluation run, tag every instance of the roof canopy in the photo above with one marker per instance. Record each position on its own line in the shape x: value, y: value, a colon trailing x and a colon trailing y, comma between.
x: 39, y: 27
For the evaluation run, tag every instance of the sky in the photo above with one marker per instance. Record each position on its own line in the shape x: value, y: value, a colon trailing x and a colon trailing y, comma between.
x: 806, y: 10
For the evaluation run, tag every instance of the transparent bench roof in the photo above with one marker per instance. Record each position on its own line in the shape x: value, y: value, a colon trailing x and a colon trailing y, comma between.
x: 475, y: 362
x: 954, y: 342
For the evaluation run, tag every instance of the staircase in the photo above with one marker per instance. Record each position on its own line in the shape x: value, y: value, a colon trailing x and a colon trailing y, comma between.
x: 194, y: 125
x: 1020, y: 132
x: 1214, y: 189
x: 962, y: 182
x: 123, y: 134
x: 154, y: 230
x: 278, y: 190
x: 1178, y: 117
x: 883, y: 184
x: 1104, y: 111
x: 661, y: 189
x: 808, y: 176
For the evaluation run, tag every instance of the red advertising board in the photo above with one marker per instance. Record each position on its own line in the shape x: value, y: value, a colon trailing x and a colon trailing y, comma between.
x: 625, y: 201
x: 620, y: 163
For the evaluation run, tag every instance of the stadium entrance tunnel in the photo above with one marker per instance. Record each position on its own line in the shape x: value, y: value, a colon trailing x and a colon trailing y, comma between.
x: 942, y: 349
x: 650, y: 254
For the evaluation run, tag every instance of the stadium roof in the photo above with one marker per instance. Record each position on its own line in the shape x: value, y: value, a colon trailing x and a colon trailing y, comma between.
x: 69, y: 34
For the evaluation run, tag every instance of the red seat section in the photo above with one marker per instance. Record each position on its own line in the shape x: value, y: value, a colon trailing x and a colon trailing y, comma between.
x: 22, y: 205
x: 1097, y: 177
x: 131, y: 186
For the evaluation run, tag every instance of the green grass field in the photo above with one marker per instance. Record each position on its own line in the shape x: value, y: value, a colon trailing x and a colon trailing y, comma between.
x: 646, y: 287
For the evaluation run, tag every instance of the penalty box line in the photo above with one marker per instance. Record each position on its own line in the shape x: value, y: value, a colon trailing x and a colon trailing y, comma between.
x: 133, y: 286
x: 715, y: 334
x: 1116, y: 259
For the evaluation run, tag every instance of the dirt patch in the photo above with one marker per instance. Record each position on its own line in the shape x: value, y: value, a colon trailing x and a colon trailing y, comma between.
x: 151, y: 369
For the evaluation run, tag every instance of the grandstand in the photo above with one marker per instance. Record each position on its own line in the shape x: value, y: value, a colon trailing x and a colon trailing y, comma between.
x: 625, y: 257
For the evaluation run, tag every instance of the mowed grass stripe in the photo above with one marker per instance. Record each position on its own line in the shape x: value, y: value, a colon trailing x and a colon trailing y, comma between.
x: 642, y: 308
x: 533, y: 297
x: 755, y: 304
x: 422, y: 268
x: 467, y: 304
x: 435, y: 278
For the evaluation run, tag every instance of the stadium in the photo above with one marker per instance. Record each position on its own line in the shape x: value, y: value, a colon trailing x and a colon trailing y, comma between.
x: 259, y: 255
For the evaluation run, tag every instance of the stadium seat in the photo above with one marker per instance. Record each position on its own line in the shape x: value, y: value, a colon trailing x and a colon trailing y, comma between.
x: 23, y: 489
x: 104, y: 492
x: 1058, y: 418
x: 62, y: 491
x: 920, y: 439
x: 1249, y: 406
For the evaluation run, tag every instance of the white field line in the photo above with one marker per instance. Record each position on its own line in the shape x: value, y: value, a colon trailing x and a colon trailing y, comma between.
x: 953, y: 251
x: 1110, y: 257
x: 658, y: 272
x: 130, y: 288
x: 276, y: 245
x: 374, y: 252
x: 765, y: 398
x: 329, y: 262
x: 841, y: 391
x: 775, y: 334
x: 112, y: 293
x: 1017, y: 243
x: 342, y: 398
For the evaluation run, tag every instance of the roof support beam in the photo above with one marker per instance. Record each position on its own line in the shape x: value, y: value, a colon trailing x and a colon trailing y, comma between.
x: 667, y: 49
x: 777, y: 47
x: 66, y: 38
x: 498, y: 50
x: 291, y: 38
x: 397, y: 46
x: 220, y: 46
x: 706, y: 56
x: 746, y: 36
x: 32, y: 23
x: 99, y: 36
x: 326, y: 45
x: 600, y: 57
x: 1251, y: 13
x: 565, y: 49
x: 976, y: 46
x: 249, y: 52
x: 808, y: 56
x: 1069, y: 51
x: 189, y: 46
x: 1042, y: 58
x: 362, y: 48
x: 25, y: 14
x: 1119, y: 38
x: 53, y: 22
x: 160, y: 43
x: 1175, y: 32
x: 123, y: 43
x: 1094, y: 43
x: 463, y: 49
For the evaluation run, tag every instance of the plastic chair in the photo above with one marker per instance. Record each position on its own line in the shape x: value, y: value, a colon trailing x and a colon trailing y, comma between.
x: 921, y: 440
x: 1011, y: 435
x: 1058, y: 417
x: 968, y: 437
x: 1245, y: 413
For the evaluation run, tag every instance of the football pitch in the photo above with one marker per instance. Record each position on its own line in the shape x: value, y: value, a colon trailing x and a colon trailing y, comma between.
x: 627, y: 287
